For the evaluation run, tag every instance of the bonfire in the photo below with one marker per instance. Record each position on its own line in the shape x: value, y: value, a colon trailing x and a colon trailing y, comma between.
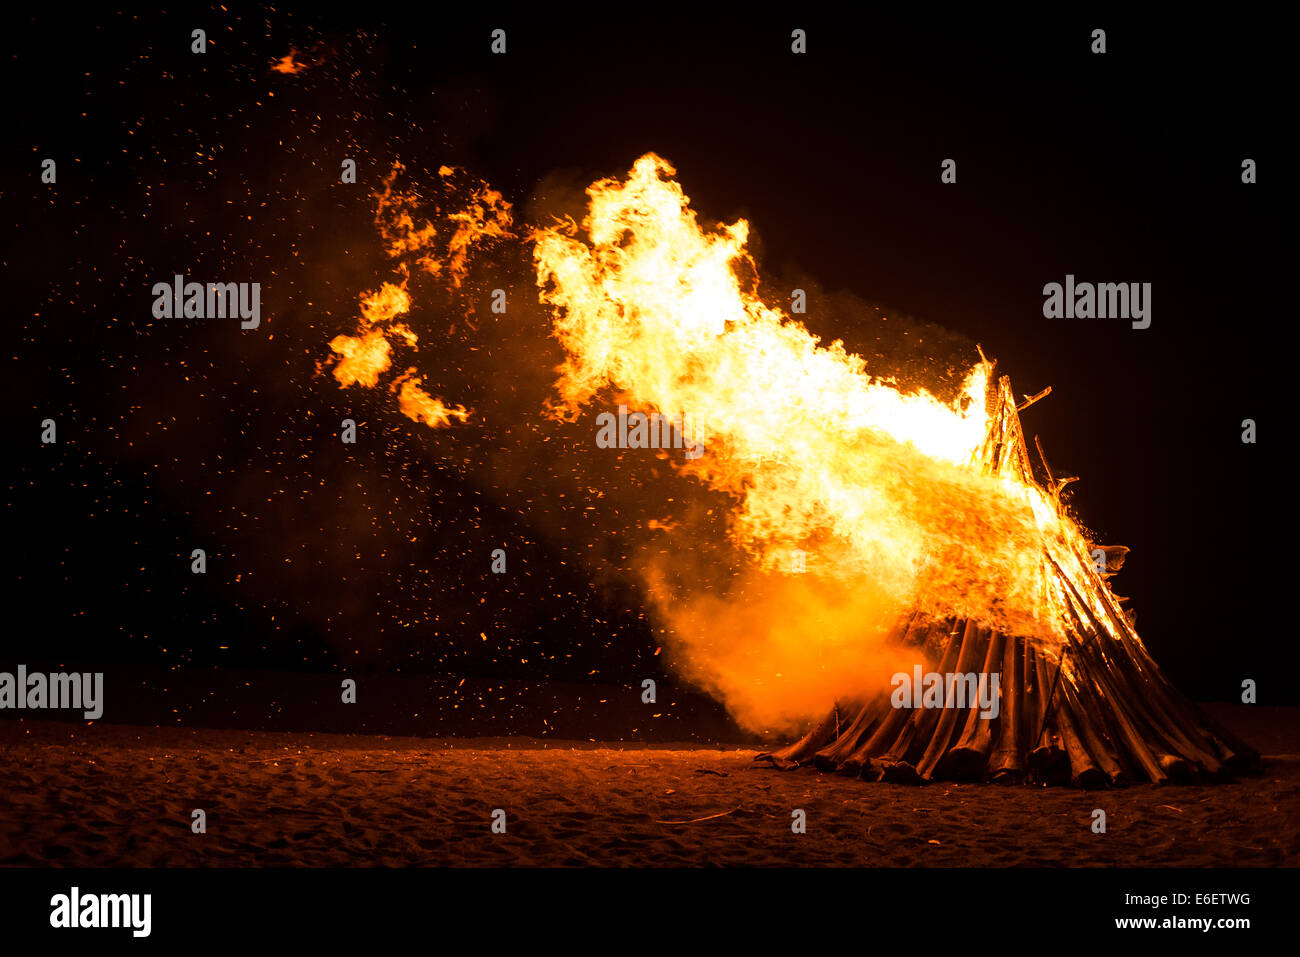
x: 926, y: 511
x: 1094, y: 709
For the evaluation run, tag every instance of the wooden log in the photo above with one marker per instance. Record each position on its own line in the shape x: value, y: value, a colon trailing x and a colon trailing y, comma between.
x: 1182, y: 724
x: 1154, y: 698
x: 910, y: 630
x: 1006, y: 765
x: 1160, y: 753
x: 1084, y: 770
x: 793, y: 755
x: 1046, y: 760
x: 1039, y: 687
x: 915, y: 733
x: 1094, y: 738
x: 1131, y: 733
x: 878, y: 742
x: 1096, y: 720
x: 1231, y: 750
x: 833, y: 754
x: 974, y: 647
x: 1158, y: 707
x: 1143, y: 737
x: 969, y: 757
x: 1093, y: 695
x: 888, y: 730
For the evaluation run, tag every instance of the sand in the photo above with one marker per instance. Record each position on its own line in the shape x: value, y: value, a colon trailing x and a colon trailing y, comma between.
x: 99, y: 795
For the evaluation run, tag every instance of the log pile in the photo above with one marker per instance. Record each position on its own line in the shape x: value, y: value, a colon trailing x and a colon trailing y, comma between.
x: 1094, y: 711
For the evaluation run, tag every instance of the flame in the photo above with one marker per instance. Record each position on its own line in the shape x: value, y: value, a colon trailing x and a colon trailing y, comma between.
x: 417, y: 404
x: 367, y: 355
x: 394, y: 220
x: 891, y: 495
x: 896, y: 501
x: 484, y: 217
x: 287, y: 63
x: 364, y: 357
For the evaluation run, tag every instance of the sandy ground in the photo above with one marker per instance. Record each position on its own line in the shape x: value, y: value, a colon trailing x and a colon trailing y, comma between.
x: 82, y: 795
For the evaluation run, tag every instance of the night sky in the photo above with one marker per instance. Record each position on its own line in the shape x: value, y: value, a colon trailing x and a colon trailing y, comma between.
x: 177, y: 434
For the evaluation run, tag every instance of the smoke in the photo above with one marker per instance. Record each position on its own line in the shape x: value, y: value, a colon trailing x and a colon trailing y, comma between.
x: 776, y: 649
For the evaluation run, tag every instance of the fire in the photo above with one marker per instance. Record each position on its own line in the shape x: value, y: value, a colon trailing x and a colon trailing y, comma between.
x: 417, y: 404
x: 287, y: 63
x: 364, y: 357
x: 892, y: 496
x: 484, y: 216
x: 894, y: 501
x: 395, y: 222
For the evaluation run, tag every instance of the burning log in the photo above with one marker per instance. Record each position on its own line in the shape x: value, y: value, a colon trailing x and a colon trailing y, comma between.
x: 1095, y: 739
x: 1084, y: 770
x: 832, y: 755
x: 836, y: 755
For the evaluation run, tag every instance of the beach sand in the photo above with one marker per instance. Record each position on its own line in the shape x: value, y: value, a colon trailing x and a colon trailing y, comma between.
x: 121, y: 795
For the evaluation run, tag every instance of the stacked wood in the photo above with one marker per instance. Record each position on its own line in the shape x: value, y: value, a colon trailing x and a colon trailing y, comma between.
x: 1093, y: 710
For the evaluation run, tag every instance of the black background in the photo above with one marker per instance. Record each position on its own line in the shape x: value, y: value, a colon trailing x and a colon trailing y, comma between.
x: 1121, y: 167
x: 371, y: 903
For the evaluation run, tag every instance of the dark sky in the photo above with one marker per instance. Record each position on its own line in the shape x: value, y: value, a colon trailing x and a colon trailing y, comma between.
x: 1122, y: 167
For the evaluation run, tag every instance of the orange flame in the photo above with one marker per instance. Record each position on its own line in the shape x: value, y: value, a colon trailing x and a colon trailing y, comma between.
x: 287, y: 63
x: 417, y: 404
x: 484, y: 217
x: 893, y: 500
x: 887, y: 493
x: 366, y: 356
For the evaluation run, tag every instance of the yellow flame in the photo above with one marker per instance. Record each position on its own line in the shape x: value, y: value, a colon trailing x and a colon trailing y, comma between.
x: 417, y: 404
x: 366, y: 356
x: 894, y: 500
x: 887, y: 493
x: 483, y: 218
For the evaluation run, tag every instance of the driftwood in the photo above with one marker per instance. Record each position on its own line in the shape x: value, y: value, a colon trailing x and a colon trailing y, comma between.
x: 1092, y: 710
